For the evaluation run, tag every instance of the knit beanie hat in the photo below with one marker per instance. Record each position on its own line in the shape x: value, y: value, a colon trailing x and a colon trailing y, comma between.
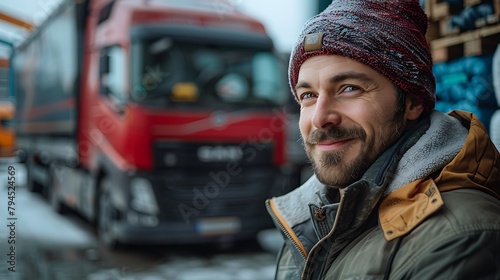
x: 386, y: 35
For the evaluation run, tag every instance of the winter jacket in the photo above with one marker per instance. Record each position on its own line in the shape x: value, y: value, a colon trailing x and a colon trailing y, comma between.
x: 427, y: 208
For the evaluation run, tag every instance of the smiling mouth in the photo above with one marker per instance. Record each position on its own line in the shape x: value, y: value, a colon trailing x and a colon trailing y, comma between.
x: 334, y: 145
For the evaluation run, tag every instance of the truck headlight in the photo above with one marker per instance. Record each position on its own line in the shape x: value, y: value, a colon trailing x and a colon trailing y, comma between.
x: 143, y: 198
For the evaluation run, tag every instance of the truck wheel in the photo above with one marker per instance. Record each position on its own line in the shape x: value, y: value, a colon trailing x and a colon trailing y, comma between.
x: 30, y: 182
x: 52, y: 192
x: 107, y: 217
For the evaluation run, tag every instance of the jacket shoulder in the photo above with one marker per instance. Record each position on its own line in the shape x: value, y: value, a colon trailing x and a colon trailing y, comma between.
x: 464, y: 207
x: 461, y: 241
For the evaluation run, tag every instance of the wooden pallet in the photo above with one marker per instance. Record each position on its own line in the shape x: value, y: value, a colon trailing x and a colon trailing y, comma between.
x: 447, y: 44
x: 471, y: 2
x: 491, y: 19
x: 481, y: 41
x: 440, y: 13
x: 438, y: 9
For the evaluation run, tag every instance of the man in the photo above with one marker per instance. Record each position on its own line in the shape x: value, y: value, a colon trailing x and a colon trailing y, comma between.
x: 400, y: 190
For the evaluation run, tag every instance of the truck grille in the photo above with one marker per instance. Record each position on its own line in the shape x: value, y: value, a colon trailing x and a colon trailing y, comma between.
x: 214, y: 179
x: 215, y: 193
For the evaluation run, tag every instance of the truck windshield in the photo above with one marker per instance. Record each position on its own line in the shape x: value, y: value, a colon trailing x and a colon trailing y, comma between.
x: 168, y: 73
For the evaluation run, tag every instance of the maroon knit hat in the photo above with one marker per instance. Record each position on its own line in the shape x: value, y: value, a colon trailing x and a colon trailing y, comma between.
x: 386, y: 35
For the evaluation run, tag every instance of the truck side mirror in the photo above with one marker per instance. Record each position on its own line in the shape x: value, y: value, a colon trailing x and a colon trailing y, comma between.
x: 104, y: 72
x: 104, y: 64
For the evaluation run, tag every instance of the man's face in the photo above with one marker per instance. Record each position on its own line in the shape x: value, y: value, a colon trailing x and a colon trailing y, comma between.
x: 348, y: 117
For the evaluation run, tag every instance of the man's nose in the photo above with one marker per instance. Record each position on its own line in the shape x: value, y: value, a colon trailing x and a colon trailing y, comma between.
x: 326, y: 112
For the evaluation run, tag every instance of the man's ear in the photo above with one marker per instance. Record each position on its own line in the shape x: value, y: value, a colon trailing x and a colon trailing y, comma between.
x: 413, y: 108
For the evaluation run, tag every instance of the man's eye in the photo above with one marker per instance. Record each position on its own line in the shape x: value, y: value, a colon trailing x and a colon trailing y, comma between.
x: 306, y: 95
x: 350, y: 88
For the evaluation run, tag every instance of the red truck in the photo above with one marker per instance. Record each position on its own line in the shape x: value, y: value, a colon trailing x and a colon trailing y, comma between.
x: 159, y: 121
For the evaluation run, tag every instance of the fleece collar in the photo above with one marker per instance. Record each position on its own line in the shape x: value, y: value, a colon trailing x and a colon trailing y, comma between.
x: 476, y: 165
x: 435, y: 149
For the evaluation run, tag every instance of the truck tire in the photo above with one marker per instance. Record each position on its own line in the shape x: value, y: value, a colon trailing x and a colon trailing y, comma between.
x: 30, y: 182
x: 52, y: 192
x: 107, y: 216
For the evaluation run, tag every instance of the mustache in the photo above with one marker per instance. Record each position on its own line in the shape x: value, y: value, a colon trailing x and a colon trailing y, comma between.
x: 335, y: 134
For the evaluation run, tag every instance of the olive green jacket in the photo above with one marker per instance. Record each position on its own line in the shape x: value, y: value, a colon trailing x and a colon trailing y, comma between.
x: 428, y: 208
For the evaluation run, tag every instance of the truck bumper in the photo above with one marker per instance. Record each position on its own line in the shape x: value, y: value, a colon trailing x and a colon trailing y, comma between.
x: 198, y: 210
x: 212, y: 230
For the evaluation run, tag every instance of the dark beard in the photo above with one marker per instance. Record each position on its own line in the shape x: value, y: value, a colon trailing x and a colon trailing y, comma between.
x: 354, y: 170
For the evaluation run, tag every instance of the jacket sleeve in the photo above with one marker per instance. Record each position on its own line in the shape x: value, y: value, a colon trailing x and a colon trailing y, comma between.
x: 286, y: 267
x: 475, y: 256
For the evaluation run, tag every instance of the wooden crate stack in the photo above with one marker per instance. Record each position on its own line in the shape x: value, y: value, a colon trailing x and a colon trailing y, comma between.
x: 449, y: 43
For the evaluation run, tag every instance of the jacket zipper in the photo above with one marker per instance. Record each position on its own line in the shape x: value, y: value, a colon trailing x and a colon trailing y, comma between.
x: 285, y: 232
x: 339, y: 210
